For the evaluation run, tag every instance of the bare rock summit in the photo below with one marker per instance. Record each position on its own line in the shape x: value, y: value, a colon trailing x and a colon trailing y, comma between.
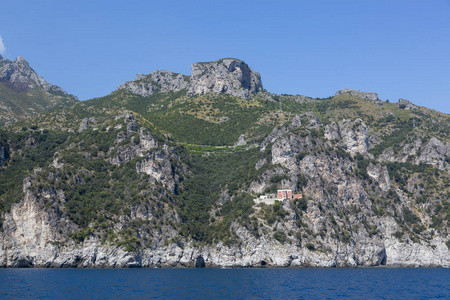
x: 229, y: 76
x: 363, y: 95
x: 20, y: 76
x: 156, y: 82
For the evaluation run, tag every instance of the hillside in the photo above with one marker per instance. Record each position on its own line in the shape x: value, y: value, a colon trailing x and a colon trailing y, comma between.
x: 23, y: 93
x: 164, y: 172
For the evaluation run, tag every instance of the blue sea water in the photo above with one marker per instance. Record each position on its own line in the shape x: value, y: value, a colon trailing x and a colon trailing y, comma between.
x: 214, y: 283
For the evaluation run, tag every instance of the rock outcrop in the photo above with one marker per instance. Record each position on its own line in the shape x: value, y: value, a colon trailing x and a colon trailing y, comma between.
x: 353, y: 135
x: 27, y: 93
x: 406, y: 104
x: 19, y: 75
x: 229, y: 76
x: 434, y: 152
x: 85, y: 123
x: 363, y: 95
x: 156, y: 82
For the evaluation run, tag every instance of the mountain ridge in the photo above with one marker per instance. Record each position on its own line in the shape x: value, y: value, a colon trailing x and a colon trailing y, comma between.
x: 24, y: 93
x: 169, y: 178
x: 229, y: 75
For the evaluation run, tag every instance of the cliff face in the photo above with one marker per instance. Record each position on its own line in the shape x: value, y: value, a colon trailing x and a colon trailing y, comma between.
x: 228, y: 76
x: 31, y: 238
x: 343, y: 220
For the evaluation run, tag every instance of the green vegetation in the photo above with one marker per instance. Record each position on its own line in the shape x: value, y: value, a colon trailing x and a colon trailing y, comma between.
x: 409, y: 216
x: 280, y: 236
x: 29, y: 103
x: 274, y: 213
x: 213, y: 174
x: 212, y: 196
x: 30, y: 150
x: 310, y: 247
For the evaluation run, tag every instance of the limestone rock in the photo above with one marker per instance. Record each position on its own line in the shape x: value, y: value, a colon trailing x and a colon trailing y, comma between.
x: 241, y: 141
x: 158, y: 166
x: 332, y: 132
x: 156, y: 82
x: 296, y: 122
x: 363, y: 95
x: 434, y: 152
x: 126, y: 153
x: 381, y: 175
x: 354, y: 135
x: 34, y: 237
x: 85, y: 123
x: 128, y: 117
x: 405, y: 104
x: 19, y: 75
x: 230, y: 76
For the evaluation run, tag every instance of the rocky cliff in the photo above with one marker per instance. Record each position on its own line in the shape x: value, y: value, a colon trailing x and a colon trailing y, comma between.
x: 344, y: 219
x: 228, y: 76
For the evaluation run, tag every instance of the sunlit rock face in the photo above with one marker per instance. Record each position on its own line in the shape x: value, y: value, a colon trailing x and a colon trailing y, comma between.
x: 230, y: 76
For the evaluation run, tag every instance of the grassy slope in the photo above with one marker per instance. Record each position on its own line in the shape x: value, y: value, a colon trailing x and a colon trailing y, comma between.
x: 29, y: 103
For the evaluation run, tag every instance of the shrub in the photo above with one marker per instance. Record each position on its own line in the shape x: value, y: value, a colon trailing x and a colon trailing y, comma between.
x: 301, y: 204
x: 409, y: 216
x: 398, y: 234
x: 310, y: 247
x: 280, y: 236
x: 302, y: 155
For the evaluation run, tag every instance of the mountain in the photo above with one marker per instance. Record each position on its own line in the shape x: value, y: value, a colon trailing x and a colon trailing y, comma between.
x: 226, y: 76
x: 23, y: 93
x: 169, y: 170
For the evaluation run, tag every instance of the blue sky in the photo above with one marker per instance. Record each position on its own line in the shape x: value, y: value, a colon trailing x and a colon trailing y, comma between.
x: 396, y: 48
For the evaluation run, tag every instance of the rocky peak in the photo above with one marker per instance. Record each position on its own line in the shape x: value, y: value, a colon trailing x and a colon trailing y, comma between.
x: 230, y: 76
x: 405, y: 104
x: 156, y: 82
x: 363, y: 95
x: 21, y: 60
x: 20, y: 76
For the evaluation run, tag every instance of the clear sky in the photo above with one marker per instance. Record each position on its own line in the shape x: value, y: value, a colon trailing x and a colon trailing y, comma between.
x: 396, y: 48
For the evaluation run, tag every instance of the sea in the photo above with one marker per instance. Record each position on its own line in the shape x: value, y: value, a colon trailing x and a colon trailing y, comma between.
x: 216, y: 283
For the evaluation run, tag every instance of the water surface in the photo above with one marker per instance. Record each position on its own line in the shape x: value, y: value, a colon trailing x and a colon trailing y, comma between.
x: 211, y: 283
